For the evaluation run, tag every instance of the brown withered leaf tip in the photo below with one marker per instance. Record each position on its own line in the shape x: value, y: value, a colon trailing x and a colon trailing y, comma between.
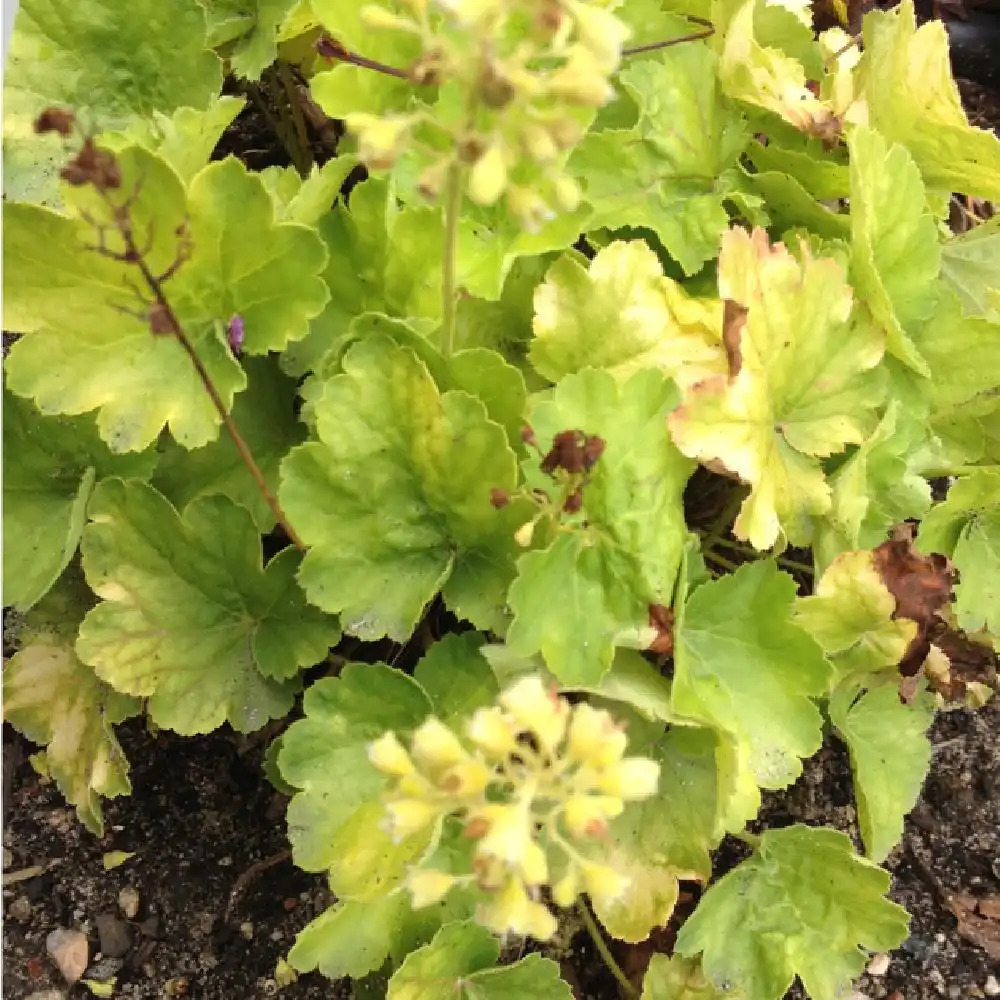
x: 499, y: 498
x: 734, y: 319
x: 922, y: 588
x: 662, y: 619
x: 59, y: 120
x: 922, y: 585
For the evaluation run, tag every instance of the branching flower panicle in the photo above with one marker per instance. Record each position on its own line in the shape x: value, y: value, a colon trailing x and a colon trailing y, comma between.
x: 519, y: 82
x: 534, y: 778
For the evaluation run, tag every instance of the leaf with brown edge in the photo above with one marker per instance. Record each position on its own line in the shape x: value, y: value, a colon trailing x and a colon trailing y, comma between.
x: 921, y: 585
x: 661, y: 618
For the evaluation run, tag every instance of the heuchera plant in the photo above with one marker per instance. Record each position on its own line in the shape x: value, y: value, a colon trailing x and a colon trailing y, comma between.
x: 604, y: 366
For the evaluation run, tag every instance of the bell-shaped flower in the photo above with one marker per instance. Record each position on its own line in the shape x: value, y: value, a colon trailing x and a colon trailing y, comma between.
x: 633, y: 779
x: 436, y: 747
x: 389, y: 756
x: 493, y: 731
x: 539, y: 709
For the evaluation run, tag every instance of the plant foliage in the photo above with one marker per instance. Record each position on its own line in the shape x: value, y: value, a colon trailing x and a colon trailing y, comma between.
x: 600, y: 363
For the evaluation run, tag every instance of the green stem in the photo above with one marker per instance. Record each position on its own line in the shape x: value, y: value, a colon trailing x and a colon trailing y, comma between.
x: 603, y: 950
x: 957, y: 470
x: 748, y: 838
x: 449, y: 302
x: 792, y: 564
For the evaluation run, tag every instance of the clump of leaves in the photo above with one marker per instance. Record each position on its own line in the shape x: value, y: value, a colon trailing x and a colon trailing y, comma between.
x: 257, y: 420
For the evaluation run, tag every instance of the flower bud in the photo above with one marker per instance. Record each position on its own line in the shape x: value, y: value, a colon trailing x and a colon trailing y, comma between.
x: 389, y: 756
x: 534, y: 865
x: 436, y: 746
x: 600, y: 32
x: 587, y: 815
x: 594, y: 738
x: 491, y: 730
x: 528, y: 208
x: 524, y: 534
x: 467, y: 778
x: 568, y: 194
x: 428, y: 886
x: 634, y: 778
x: 488, y: 176
x: 539, y: 143
x: 537, y: 708
x: 565, y: 891
x: 380, y: 140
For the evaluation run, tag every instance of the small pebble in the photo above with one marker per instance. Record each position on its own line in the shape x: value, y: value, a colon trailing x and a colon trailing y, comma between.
x: 47, y: 995
x: 8, y: 858
x: 103, y: 970
x: 879, y: 965
x: 20, y: 910
x: 246, y: 929
x: 128, y: 902
x: 992, y: 987
x: 114, y: 934
x: 69, y: 951
x: 225, y: 862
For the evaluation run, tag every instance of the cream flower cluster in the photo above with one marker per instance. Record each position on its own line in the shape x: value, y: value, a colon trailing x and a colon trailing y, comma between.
x: 527, y: 77
x: 535, y: 779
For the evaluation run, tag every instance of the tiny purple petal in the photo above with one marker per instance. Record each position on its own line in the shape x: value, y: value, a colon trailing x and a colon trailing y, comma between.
x: 237, y: 334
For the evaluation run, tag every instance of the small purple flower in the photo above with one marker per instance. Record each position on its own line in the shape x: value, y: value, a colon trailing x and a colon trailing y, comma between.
x: 237, y: 334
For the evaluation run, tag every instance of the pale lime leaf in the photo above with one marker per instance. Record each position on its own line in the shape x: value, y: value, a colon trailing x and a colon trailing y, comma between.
x: 895, y: 255
x: 970, y: 263
x: 755, y: 69
x: 69, y: 299
x: 461, y: 961
x: 677, y: 978
x: 186, y: 139
x: 741, y: 664
x: 57, y: 701
x: 440, y: 968
x: 966, y: 527
x: 621, y: 313
x: 249, y: 29
x: 456, y: 677
x: 664, y: 839
x: 626, y: 555
x: 111, y: 65
x: 876, y: 488
x: 890, y: 754
x: 395, y: 496
x: 351, y: 939
x: 851, y: 615
x: 905, y: 76
x: 666, y: 173
x: 804, y: 904
x: 788, y: 205
x: 500, y: 386
x: 264, y: 413
x: 189, y: 617
x: 326, y: 753
x: 807, y: 386
x: 51, y: 465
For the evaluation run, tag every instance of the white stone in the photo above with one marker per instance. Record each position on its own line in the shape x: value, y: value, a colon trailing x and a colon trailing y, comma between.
x: 992, y: 987
x: 879, y: 965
